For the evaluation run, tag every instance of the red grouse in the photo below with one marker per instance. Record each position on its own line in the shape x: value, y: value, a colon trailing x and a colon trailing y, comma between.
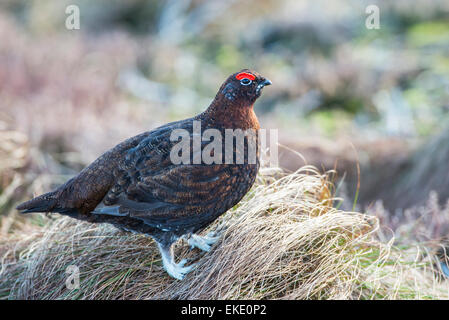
x: 141, y: 186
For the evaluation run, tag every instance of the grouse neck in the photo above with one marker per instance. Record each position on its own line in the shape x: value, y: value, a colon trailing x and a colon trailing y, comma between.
x: 231, y: 116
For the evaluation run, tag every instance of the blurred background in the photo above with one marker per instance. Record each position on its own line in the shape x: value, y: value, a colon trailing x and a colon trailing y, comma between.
x: 372, y: 103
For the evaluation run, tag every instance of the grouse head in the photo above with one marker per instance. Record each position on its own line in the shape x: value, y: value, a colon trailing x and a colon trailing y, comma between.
x: 242, y: 88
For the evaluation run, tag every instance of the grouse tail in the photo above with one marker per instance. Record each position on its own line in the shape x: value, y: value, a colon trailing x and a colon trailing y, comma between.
x: 44, y: 203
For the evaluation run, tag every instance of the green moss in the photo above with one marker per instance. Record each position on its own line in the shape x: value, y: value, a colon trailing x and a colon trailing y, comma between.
x: 428, y: 33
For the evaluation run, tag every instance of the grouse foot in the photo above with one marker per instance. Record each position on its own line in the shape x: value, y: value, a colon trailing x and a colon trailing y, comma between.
x: 203, y: 243
x: 176, y: 270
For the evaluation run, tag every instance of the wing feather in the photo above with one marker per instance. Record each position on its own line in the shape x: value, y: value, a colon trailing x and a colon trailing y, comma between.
x: 152, y: 189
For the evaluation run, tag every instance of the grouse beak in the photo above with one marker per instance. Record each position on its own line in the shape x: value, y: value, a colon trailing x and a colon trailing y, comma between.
x: 264, y: 82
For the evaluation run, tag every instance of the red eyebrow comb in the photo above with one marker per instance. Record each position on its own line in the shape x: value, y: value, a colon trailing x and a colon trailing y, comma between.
x: 243, y: 75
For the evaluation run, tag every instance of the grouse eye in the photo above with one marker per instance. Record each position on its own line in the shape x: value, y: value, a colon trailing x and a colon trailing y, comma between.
x: 245, y: 82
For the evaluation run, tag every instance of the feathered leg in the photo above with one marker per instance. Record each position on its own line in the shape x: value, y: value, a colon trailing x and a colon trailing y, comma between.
x: 176, y: 270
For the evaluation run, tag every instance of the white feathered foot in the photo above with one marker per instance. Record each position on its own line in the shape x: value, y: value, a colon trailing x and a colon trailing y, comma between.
x: 176, y: 270
x: 204, y: 243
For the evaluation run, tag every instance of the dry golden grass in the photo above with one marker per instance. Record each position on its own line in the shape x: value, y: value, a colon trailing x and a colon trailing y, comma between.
x: 285, y: 240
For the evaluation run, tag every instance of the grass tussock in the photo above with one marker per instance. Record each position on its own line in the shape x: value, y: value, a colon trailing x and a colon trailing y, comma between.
x: 285, y: 240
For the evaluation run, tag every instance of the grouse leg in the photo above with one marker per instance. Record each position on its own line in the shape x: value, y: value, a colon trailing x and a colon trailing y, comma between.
x: 176, y: 270
x: 204, y: 243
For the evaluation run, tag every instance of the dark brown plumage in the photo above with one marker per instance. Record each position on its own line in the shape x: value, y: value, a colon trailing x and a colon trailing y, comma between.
x: 137, y: 187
